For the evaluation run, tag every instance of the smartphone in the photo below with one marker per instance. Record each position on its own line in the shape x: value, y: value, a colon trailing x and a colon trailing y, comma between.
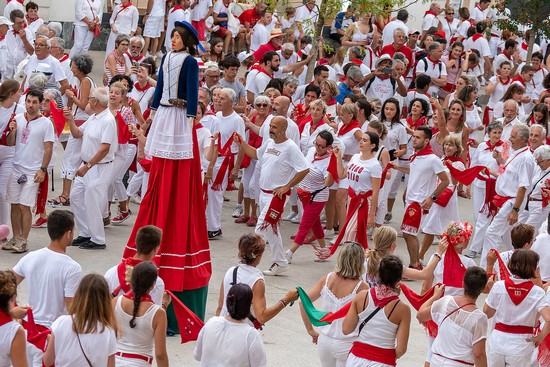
x: 386, y: 70
x: 434, y: 95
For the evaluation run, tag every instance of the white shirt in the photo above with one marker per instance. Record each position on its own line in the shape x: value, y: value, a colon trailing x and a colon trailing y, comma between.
x: 360, y: 173
x: 29, y: 155
x: 279, y: 163
x: 201, y: 9
x: 315, y: 178
x: 308, y: 138
x: 478, y: 15
x: 56, y: 70
x: 435, y: 71
x: 125, y: 21
x: 397, y: 135
x: 292, y: 130
x: 482, y: 45
x: 177, y: 15
x: 381, y: 89
x: 13, y: 5
x: 111, y: 276
x: 246, y: 274
x: 7, y: 334
x: 423, y: 177
x: 499, y: 91
x: 258, y: 84
x: 387, y: 33
x: 51, y: 278
x: 520, y: 168
x: 449, y: 28
x: 5, y: 116
x: 307, y: 18
x: 541, y: 247
x: 142, y: 98
x: 260, y: 36
x: 98, y: 346
x: 99, y: 129
x: 223, y: 342
x: 219, y: 8
x: 16, y: 52
x: 227, y: 125
x: 429, y: 21
x: 158, y: 9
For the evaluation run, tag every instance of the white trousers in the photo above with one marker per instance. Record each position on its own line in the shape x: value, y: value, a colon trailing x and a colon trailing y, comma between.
x: 333, y: 352
x: 34, y: 355
x: 82, y: 40
x: 110, y: 43
x: 396, y: 179
x: 123, y: 159
x: 88, y: 198
x: 535, y: 216
x: 275, y: 240
x: 215, y: 200
x: 495, y: 359
x: 498, y: 232
x: 71, y: 158
x: 138, y: 182
x: 5, y: 172
x: 249, y: 186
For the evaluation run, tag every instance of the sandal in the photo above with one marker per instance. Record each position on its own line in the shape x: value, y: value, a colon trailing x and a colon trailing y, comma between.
x: 60, y: 200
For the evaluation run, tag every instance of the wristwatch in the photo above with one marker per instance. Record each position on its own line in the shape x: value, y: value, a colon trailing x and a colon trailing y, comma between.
x: 88, y: 165
x: 433, y: 197
x: 515, y: 209
x: 44, y: 169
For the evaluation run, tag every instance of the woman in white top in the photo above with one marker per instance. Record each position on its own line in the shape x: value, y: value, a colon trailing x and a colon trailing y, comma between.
x: 461, y: 82
x: 336, y: 289
x: 476, y: 129
x: 142, y: 323
x: 496, y: 88
x: 251, y: 250
x: 230, y: 340
x: 360, y: 33
x: 452, y: 123
x: 318, y: 123
x: 88, y: 15
x: 380, y: 319
x: 86, y: 336
x: 124, y: 20
x: 12, y: 335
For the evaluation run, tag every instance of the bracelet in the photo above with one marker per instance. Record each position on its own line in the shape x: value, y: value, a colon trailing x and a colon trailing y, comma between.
x: 283, y: 303
x: 437, y: 255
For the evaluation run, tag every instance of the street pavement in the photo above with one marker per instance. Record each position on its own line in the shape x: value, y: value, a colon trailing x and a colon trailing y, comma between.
x: 286, y: 340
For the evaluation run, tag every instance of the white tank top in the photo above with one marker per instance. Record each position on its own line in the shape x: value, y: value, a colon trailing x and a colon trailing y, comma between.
x: 80, y: 114
x: 246, y: 274
x: 379, y: 331
x: 331, y: 304
x: 7, y: 334
x: 140, y: 339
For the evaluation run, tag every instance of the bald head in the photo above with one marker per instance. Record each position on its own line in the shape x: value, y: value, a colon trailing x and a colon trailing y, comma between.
x: 280, y: 106
x: 277, y: 129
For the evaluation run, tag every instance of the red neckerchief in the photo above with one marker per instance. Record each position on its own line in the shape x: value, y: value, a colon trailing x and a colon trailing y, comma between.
x: 140, y: 89
x: 332, y: 102
x: 349, y: 127
x: 519, y: 79
x: 357, y: 62
x: 519, y: 291
x: 524, y: 46
x: 310, y: 9
x: 176, y: 7
x: 508, y: 81
x: 382, y: 295
x: 476, y: 36
x: 144, y: 298
x: 262, y: 70
x: 2, y: 38
x: 313, y: 128
x: 430, y: 12
x: 15, y: 33
x: 139, y: 58
x: 453, y: 159
x: 468, y: 105
x: 19, y: 1
x: 122, y: 269
x: 5, y: 318
x: 29, y: 20
x: 322, y: 62
x: 493, y: 147
x: 413, y: 125
x: 64, y: 57
x: 316, y: 158
x: 508, y: 56
x: 427, y: 150
x: 124, y: 7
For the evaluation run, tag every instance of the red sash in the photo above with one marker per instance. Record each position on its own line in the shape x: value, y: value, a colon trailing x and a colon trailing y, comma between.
x: 144, y: 297
x: 124, y: 134
x: 503, y: 269
x: 497, y: 203
x: 519, y: 291
x: 514, y: 329
x: 124, y: 273
x: 274, y: 212
x: 375, y: 354
x: 42, y: 196
x: 417, y: 301
x: 412, y: 218
x: 227, y: 165
x: 57, y: 117
x: 413, y: 125
x: 359, y: 203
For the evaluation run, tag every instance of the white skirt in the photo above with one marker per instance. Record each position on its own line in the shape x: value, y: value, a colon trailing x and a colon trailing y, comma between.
x: 171, y: 134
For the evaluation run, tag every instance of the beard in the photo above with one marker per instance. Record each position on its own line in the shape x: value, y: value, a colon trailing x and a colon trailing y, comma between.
x: 274, y: 68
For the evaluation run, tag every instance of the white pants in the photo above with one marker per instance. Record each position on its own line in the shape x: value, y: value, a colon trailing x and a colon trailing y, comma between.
x: 71, y: 157
x: 138, y: 182
x: 275, y: 240
x: 123, y: 159
x: 478, y: 198
x: 88, y: 198
x: 111, y: 43
x: 34, y: 355
x: 535, y: 216
x: 498, y: 232
x: 82, y: 40
x: 396, y: 179
x: 5, y: 172
x: 215, y: 200
x: 495, y: 359
x: 249, y: 186
x: 493, y: 44
x: 333, y: 352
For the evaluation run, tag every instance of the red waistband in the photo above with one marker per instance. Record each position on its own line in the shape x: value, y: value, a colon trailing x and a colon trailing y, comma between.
x: 455, y: 360
x: 375, y: 354
x: 135, y: 356
x: 533, y: 199
x: 267, y: 191
x: 514, y: 329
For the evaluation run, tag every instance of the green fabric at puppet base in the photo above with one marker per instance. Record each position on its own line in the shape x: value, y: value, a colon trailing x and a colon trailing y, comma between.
x: 194, y: 299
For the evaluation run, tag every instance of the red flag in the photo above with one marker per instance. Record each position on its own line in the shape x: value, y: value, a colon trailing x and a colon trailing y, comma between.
x: 417, y: 301
x: 466, y: 176
x: 189, y: 324
x: 58, y: 118
x: 36, y: 334
x: 124, y: 134
x: 341, y: 313
x: 333, y: 167
x: 504, y: 273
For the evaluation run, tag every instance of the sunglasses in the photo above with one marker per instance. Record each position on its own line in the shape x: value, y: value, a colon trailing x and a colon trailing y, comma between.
x: 262, y: 105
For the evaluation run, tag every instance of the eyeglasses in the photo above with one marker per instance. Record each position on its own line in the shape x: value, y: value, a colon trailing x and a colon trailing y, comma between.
x: 40, y: 45
x: 262, y: 105
x: 213, y: 76
x: 450, y: 13
x: 355, y: 81
x: 319, y: 146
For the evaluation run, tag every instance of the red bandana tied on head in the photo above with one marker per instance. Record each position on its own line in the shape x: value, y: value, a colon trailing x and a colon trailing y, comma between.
x: 453, y: 268
x: 517, y: 291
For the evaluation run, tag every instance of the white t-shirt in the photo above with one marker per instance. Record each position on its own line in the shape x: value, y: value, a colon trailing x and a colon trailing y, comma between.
x: 55, y: 68
x: 482, y: 45
x: 227, y: 125
x: 258, y: 84
x: 315, y: 178
x: 520, y: 170
x: 223, y: 342
x: 387, y: 33
x: 429, y: 21
x: 177, y: 15
x: 541, y: 247
x: 203, y: 138
x: 381, y: 89
x: 111, y: 276
x: 307, y: 18
x: 98, y: 346
x: 219, y: 7
x: 158, y: 9
x: 260, y: 36
x: 29, y: 152
x: 361, y: 173
x: 246, y: 274
x: 279, y: 163
x: 99, y: 129
x: 397, y: 135
x: 201, y: 9
x: 51, y: 277
x: 499, y: 91
x: 478, y: 15
x: 435, y: 71
x: 423, y: 177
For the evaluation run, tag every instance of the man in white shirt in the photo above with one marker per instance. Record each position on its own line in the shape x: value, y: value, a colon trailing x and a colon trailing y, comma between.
x: 154, y: 25
x: 33, y: 136
x: 430, y: 18
x: 501, y: 12
x: 399, y: 22
x: 479, y: 13
x: 510, y: 119
x: 511, y: 191
x: 42, y: 57
x: 201, y: 10
x: 282, y: 166
x: 5, y: 25
x: 306, y: 19
x: 261, y: 32
x: 480, y: 43
x: 434, y: 67
x: 270, y: 64
x: 288, y: 56
x: 89, y: 193
x: 57, y: 50
x: 52, y: 277
x: 19, y: 43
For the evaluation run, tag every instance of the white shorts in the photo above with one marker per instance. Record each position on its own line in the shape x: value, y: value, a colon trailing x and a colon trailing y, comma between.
x: 153, y: 27
x: 25, y: 193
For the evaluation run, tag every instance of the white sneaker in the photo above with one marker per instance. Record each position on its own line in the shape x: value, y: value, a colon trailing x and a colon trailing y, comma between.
x: 471, y: 254
x: 238, y: 211
x: 329, y: 233
x: 297, y: 219
x: 288, y: 256
x: 290, y: 216
x: 159, y: 54
x: 276, y: 269
x: 135, y: 199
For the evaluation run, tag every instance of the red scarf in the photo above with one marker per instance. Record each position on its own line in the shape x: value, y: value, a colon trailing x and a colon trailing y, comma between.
x: 357, y: 62
x: 29, y: 20
x: 176, y: 7
x: 508, y: 56
x: 4, y: 137
x: 349, y: 127
x: 313, y: 128
x: 430, y: 12
x: 503, y: 269
x: 519, y: 79
x: 19, y: 1
x: 413, y: 125
x: 140, y: 89
x: 333, y: 167
x: 124, y: 271
x: 453, y: 268
x: 5, y: 318
x: 332, y: 102
x: 466, y: 176
x: 519, y: 291
x: 227, y: 165
x: 435, y: 63
x: 382, y: 295
x: 138, y: 58
x: 274, y: 212
x: 144, y: 298
x: 64, y: 57
x: 545, y: 192
x: 36, y: 334
x: 493, y: 147
x: 524, y: 46
x: 124, y: 7
x: 508, y: 81
x: 427, y: 150
x: 417, y: 301
x: 262, y: 70
x: 476, y: 36
x: 124, y: 134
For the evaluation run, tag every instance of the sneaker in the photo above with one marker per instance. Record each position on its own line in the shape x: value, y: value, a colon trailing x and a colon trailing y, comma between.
x: 290, y: 216
x: 388, y: 217
x: 136, y: 199
x: 472, y: 254
x: 238, y: 212
x: 242, y: 219
x: 107, y: 221
x: 321, y: 254
x: 252, y: 222
x: 297, y: 219
x: 80, y: 240
x: 40, y: 223
x: 159, y: 54
x: 91, y: 245
x: 212, y: 235
x: 20, y: 246
x: 329, y: 233
x: 288, y: 256
x: 121, y: 217
x: 370, y: 231
x: 275, y: 269
x: 9, y: 244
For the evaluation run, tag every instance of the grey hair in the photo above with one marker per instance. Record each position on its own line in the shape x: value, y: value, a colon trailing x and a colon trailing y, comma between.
x: 101, y: 95
x: 538, y: 126
x: 83, y: 63
x: 523, y: 131
x: 319, y: 102
x: 137, y: 38
x: 433, y: 46
x: 291, y: 80
x: 288, y: 47
x: 433, y: 5
x: 38, y: 80
x: 214, y: 68
x: 261, y: 99
x: 56, y: 28
x: 42, y: 31
x: 208, y: 93
x: 60, y: 41
x: 44, y: 37
x: 354, y: 72
x: 513, y: 102
x: 397, y: 30
x: 543, y: 152
x: 230, y: 94
x: 56, y: 95
x: 494, y: 126
x: 357, y: 51
x: 214, y: 87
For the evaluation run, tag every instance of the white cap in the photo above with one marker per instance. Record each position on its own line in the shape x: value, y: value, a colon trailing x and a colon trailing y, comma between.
x: 6, y: 21
x: 243, y: 56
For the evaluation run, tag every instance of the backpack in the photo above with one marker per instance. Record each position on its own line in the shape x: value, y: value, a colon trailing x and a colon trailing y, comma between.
x: 392, y: 81
x: 413, y: 83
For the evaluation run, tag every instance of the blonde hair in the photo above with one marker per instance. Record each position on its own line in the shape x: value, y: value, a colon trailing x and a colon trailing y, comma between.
x: 351, y: 261
x: 271, y: 89
x: 332, y: 87
x: 120, y: 86
x: 319, y: 102
x: 350, y: 108
x: 383, y: 237
x: 454, y: 140
x: 380, y: 128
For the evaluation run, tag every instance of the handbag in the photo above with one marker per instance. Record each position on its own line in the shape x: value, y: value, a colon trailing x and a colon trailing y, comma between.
x: 443, y: 199
x: 82, y: 349
x: 96, y: 29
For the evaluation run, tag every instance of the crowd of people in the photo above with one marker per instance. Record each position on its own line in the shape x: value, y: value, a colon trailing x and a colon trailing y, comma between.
x: 198, y: 99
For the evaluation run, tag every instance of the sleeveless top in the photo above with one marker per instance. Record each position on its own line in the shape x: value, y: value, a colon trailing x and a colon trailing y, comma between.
x: 7, y: 334
x: 332, y: 303
x: 139, y: 340
x: 171, y: 73
x: 79, y: 113
x: 246, y: 274
x: 379, y: 331
x: 360, y: 36
x: 120, y: 67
